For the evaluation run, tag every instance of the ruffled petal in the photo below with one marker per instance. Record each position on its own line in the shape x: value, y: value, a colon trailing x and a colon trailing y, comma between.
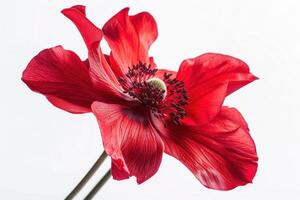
x: 208, y: 79
x: 146, y: 29
x: 221, y: 154
x: 102, y: 73
x: 90, y: 33
x: 130, y: 140
x: 130, y: 37
x: 63, y: 78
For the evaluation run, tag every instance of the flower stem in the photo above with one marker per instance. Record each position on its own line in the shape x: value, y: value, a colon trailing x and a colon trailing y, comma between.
x: 87, y: 177
x: 98, y: 186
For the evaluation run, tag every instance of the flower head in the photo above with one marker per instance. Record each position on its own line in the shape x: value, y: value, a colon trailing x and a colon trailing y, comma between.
x: 144, y: 111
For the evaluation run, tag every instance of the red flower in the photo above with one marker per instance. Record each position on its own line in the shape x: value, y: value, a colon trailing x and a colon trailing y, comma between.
x: 143, y: 111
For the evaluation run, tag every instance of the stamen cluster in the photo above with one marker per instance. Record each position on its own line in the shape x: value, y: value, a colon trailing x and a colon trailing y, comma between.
x: 176, y: 99
x: 166, y: 107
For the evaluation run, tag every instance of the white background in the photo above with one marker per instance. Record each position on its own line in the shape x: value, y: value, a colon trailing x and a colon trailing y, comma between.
x: 45, y: 151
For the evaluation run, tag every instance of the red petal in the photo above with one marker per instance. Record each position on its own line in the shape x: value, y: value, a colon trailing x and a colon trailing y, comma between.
x: 130, y: 140
x: 63, y: 77
x: 146, y: 29
x: 101, y: 73
x: 118, y: 170
x: 130, y: 37
x: 65, y: 105
x: 208, y: 79
x: 160, y: 73
x: 221, y: 154
x: 90, y: 33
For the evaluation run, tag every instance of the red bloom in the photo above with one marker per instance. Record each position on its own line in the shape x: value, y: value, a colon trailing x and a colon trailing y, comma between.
x: 143, y: 111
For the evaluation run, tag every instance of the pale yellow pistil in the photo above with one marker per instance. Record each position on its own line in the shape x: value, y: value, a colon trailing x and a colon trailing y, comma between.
x: 159, y: 84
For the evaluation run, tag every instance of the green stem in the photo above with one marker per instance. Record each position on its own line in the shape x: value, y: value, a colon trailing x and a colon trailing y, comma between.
x: 87, y: 177
x: 98, y: 186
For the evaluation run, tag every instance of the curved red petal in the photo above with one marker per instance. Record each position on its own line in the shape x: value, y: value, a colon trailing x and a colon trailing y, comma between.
x: 90, y: 33
x: 146, y: 28
x: 130, y: 37
x: 101, y: 73
x: 67, y: 106
x: 221, y: 154
x: 118, y: 169
x: 60, y: 74
x: 129, y: 138
x: 201, y: 109
x: 208, y: 79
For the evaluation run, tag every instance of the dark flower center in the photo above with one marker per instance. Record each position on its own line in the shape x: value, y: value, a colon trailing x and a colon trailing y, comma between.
x: 165, y: 97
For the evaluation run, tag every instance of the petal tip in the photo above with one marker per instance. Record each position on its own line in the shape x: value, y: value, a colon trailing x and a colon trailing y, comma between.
x: 140, y: 180
x: 126, y: 9
x: 80, y: 8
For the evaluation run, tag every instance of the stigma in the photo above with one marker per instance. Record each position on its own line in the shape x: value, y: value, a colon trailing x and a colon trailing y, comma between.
x: 159, y: 84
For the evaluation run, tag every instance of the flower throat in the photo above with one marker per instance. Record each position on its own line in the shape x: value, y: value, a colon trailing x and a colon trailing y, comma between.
x: 164, y: 96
